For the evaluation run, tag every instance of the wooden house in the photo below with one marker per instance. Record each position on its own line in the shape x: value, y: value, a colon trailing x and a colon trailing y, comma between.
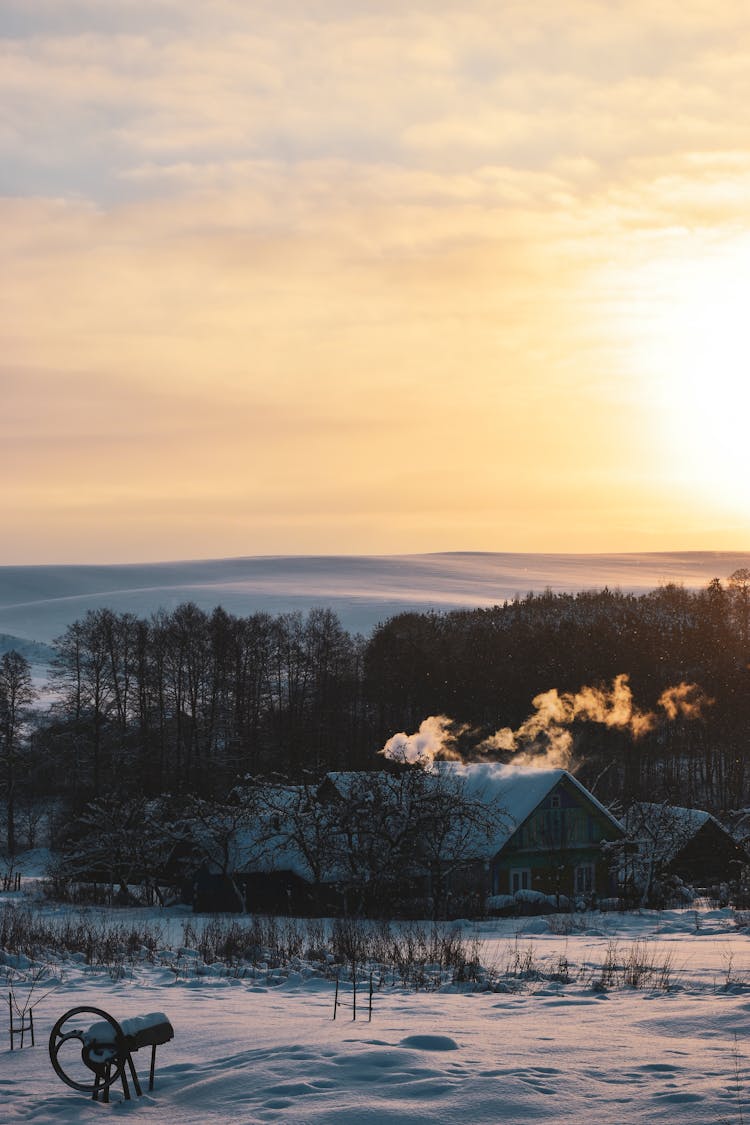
x: 544, y: 832
x: 690, y: 845
x: 474, y: 831
x: 551, y: 838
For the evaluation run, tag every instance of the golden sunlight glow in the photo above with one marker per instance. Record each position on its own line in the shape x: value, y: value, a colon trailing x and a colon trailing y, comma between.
x: 690, y: 345
x: 387, y: 279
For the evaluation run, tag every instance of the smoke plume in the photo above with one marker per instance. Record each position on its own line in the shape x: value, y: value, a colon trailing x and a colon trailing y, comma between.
x: 434, y: 739
x: 547, y: 728
x: 686, y: 701
x: 544, y: 739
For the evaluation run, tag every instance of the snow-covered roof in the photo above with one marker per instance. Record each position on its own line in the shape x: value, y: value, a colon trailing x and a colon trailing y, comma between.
x: 280, y: 818
x: 663, y: 829
x: 266, y: 854
x: 515, y: 792
x: 260, y: 843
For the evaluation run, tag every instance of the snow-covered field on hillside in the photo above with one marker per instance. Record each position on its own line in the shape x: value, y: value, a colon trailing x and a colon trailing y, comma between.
x: 524, y: 1044
x: 38, y: 602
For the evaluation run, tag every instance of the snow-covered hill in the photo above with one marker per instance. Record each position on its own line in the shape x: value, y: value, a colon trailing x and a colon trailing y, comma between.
x: 36, y: 652
x: 38, y: 602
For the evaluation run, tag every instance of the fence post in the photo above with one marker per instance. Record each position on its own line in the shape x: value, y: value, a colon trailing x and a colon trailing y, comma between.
x: 18, y: 1027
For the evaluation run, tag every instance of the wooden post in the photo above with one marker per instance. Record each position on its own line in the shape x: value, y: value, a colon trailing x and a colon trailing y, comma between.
x: 10, y: 1013
x: 336, y: 998
x: 354, y: 992
x: 369, y: 1017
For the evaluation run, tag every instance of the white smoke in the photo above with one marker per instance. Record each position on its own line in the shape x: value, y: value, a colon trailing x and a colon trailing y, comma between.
x: 544, y: 739
x: 547, y: 727
x: 434, y: 739
x: 686, y: 701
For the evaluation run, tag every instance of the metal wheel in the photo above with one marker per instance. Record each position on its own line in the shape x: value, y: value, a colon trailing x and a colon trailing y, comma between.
x: 105, y: 1060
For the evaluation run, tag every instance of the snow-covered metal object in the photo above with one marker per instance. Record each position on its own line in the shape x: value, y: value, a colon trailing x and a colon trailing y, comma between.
x: 107, y: 1048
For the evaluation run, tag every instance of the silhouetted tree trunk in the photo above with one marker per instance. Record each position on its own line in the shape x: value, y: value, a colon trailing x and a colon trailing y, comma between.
x: 16, y: 694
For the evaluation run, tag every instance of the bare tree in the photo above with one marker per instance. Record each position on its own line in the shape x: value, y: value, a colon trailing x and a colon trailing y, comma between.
x: 297, y: 826
x: 396, y: 828
x: 660, y: 831
x: 219, y: 835
x: 739, y: 588
x: 83, y: 672
x: 16, y: 695
x: 455, y: 831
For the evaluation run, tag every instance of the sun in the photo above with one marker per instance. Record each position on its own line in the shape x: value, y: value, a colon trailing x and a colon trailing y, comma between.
x: 688, y: 345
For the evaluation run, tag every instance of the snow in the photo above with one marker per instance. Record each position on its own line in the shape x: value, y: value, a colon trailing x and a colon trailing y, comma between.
x: 514, y: 791
x: 104, y: 1032
x: 545, y: 1044
x: 663, y: 830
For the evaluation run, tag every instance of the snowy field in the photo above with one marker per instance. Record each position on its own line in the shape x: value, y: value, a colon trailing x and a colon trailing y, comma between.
x: 261, y: 1045
x: 38, y: 602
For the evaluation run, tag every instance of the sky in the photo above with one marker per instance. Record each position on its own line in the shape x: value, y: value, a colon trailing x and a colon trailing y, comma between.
x: 372, y: 277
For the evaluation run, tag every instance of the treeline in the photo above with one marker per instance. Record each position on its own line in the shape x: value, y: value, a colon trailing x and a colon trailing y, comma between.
x: 187, y: 702
x: 484, y: 667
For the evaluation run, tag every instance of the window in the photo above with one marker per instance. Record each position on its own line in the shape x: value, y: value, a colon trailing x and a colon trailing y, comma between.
x: 584, y: 879
x: 520, y: 879
x: 555, y: 801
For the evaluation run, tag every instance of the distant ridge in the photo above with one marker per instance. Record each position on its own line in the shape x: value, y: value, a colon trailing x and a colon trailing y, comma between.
x: 34, y: 651
x: 38, y: 602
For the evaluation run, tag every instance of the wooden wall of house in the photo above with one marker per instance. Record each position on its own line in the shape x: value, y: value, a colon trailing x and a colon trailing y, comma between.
x: 557, y: 878
x: 564, y: 832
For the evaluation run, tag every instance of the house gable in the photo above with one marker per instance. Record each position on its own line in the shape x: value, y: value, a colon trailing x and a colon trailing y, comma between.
x: 567, y: 818
x: 557, y: 847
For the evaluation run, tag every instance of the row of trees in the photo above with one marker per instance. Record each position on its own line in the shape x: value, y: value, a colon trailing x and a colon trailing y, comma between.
x: 484, y: 667
x: 189, y: 703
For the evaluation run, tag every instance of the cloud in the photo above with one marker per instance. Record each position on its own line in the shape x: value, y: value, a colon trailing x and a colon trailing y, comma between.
x: 438, y: 86
x: 412, y: 228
